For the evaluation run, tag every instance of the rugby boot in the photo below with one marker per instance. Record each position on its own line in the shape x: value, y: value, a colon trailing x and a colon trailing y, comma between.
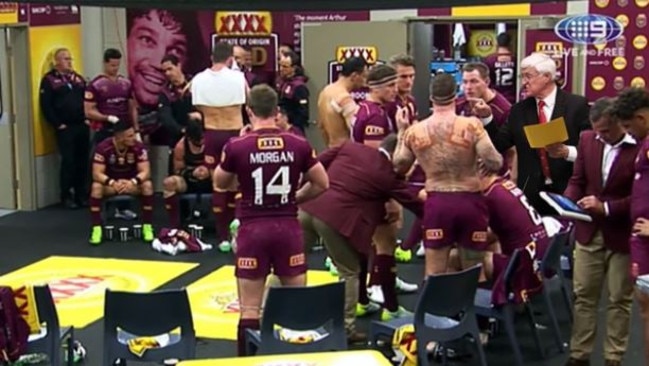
x: 401, y: 312
x: 421, y: 252
x: 147, y: 233
x: 406, y: 287
x: 368, y: 309
x: 95, y: 235
x: 402, y: 255
x: 225, y: 246
x: 375, y: 294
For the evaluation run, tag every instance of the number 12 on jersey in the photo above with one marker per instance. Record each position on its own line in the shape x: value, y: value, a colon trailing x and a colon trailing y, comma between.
x: 278, y: 185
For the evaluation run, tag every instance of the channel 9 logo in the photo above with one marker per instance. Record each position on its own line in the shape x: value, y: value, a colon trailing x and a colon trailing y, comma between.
x: 589, y: 29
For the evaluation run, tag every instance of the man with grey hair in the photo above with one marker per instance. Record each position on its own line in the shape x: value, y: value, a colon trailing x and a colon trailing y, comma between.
x: 61, y: 101
x: 549, y: 168
x: 601, y: 184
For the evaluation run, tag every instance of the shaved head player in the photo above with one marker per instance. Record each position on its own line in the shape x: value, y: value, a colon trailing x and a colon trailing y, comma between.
x: 268, y: 164
x: 448, y: 148
x: 336, y: 106
x: 632, y: 109
x: 219, y: 93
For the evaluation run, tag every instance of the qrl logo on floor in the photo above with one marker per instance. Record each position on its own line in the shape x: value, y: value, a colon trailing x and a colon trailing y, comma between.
x: 589, y: 29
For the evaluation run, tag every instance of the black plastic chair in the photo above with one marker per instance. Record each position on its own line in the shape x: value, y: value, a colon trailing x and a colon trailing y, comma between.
x: 554, y: 281
x: 190, y: 202
x: 128, y: 315
x: 52, y: 342
x: 506, y: 313
x: 553, y: 276
x: 108, y: 204
x: 319, y: 308
x: 440, y: 318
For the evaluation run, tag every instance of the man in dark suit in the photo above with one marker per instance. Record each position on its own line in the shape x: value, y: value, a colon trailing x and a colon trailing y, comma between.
x: 541, y: 169
x: 601, y: 184
x: 346, y: 215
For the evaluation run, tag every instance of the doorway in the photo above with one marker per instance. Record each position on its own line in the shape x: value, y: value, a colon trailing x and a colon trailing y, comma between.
x: 324, y: 46
x: 16, y: 152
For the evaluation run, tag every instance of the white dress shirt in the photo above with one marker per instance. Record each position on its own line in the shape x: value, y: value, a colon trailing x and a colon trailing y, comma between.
x: 608, y: 158
x: 548, y: 108
x: 550, y: 101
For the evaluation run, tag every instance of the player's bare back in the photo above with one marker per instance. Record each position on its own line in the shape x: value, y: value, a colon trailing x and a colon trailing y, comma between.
x: 222, y: 118
x: 444, y: 146
x: 332, y: 123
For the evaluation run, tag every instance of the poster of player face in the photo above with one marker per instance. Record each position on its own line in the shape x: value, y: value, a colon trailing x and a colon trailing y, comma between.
x: 254, y: 31
x: 369, y: 53
x: 621, y: 62
x: 546, y: 41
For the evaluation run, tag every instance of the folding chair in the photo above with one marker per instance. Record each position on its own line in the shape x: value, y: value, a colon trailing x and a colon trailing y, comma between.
x: 52, y: 342
x: 440, y: 319
x: 506, y: 313
x: 301, y: 309
x: 129, y: 315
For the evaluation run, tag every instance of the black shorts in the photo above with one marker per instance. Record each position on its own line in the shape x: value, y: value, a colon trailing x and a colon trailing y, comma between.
x: 199, y: 187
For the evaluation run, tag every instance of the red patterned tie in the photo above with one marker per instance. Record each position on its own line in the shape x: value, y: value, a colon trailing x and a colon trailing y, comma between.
x: 543, y: 155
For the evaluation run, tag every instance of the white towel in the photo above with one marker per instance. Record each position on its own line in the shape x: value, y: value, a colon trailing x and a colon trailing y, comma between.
x: 501, y: 28
x: 459, y: 38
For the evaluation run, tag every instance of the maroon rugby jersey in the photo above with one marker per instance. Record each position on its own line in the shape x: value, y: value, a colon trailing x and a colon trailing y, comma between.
x: 120, y: 164
x: 391, y: 109
x: 513, y: 219
x: 499, y: 108
x: 294, y: 130
x: 371, y: 123
x: 640, y: 190
x: 111, y: 96
x: 503, y: 75
x: 268, y: 164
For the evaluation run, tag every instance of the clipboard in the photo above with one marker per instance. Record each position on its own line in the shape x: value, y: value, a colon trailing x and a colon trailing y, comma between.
x: 541, y: 135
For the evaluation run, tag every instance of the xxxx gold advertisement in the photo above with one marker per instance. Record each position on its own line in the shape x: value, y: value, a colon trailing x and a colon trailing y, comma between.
x: 619, y: 63
x: 43, y: 42
x: 8, y: 12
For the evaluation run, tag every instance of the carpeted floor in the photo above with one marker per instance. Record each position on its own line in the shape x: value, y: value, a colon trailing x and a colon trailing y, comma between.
x: 29, y: 237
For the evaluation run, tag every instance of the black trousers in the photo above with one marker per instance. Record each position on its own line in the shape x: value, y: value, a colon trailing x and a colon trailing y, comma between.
x: 74, y: 148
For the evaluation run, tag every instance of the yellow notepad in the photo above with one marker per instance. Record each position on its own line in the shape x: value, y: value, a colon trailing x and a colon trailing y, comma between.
x: 542, y: 135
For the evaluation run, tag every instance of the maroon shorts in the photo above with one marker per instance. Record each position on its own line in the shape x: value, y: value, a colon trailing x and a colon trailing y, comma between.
x: 639, y: 256
x: 266, y: 243
x: 526, y: 280
x: 214, y: 142
x: 460, y: 218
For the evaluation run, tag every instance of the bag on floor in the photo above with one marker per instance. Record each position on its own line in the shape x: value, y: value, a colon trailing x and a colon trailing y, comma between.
x: 14, y: 330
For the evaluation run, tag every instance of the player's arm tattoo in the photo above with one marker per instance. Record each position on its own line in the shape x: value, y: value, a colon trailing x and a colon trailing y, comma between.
x: 492, y: 160
x: 403, y: 158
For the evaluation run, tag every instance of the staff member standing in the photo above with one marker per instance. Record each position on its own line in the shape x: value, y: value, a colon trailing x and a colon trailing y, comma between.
x: 61, y: 101
x: 547, y: 169
x: 293, y: 92
x: 175, y: 100
x: 601, y: 184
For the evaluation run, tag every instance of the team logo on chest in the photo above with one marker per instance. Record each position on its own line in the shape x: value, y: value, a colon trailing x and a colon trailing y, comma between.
x: 130, y: 158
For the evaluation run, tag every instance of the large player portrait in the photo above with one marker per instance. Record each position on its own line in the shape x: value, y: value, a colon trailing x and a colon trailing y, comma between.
x: 152, y: 34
